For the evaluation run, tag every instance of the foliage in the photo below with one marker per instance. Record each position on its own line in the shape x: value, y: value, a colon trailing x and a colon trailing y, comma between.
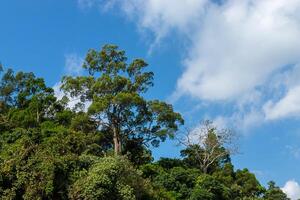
x: 207, y: 147
x: 49, y: 151
x: 274, y: 193
x: 115, y: 90
x: 110, y: 178
x: 184, y: 182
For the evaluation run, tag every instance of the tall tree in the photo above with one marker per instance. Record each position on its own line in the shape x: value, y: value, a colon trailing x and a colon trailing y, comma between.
x: 115, y: 90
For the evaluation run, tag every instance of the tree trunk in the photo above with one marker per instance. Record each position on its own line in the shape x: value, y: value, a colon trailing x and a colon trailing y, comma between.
x: 117, y: 142
x: 205, y: 170
x: 37, y: 116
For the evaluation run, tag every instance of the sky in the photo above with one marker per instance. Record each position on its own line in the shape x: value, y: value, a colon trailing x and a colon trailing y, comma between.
x: 236, y: 62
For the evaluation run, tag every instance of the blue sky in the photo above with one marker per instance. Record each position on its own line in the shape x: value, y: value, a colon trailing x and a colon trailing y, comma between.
x: 235, y: 62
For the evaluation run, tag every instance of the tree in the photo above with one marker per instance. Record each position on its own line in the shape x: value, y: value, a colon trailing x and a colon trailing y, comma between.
x: 246, y: 184
x: 25, y: 100
x: 208, y: 188
x: 208, y: 147
x: 110, y: 178
x: 49, y: 151
x: 274, y: 193
x: 115, y: 90
x: 36, y: 163
x: 38, y: 145
x: 167, y: 175
x: 168, y: 163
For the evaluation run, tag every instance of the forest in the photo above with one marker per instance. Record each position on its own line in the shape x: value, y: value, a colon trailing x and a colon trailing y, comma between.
x: 100, y: 148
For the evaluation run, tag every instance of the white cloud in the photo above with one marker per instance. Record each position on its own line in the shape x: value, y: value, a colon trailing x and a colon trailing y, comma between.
x: 59, y: 94
x: 161, y: 16
x: 73, y: 64
x: 221, y: 122
x: 292, y: 189
x: 288, y: 106
x: 288, y: 103
x: 196, y: 134
x: 241, y: 121
x: 235, y: 49
x: 239, y: 46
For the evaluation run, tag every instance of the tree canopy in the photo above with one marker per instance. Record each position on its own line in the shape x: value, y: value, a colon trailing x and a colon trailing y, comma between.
x: 115, y: 90
x: 51, y: 151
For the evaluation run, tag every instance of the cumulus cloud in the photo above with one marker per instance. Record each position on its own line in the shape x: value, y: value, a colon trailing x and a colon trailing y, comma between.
x: 162, y: 16
x: 235, y: 48
x: 292, y: 189
x: 73, y: 64
x: 239, y: 46
x: 288, y: 106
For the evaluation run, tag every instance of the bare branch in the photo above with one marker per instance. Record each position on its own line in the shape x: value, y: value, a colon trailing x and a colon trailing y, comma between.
x: 208, y: 143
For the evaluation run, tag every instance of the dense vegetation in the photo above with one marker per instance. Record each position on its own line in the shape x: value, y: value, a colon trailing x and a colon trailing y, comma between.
x: 99, y: 149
